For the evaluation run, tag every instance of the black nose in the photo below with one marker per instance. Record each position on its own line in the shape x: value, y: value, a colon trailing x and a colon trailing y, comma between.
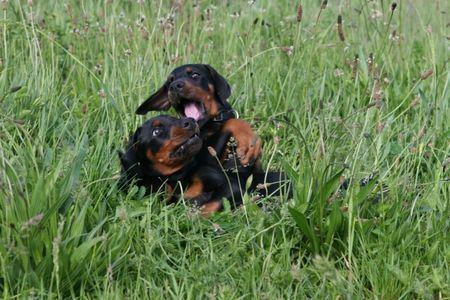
x: 188, y: 123
x: 176, y: 86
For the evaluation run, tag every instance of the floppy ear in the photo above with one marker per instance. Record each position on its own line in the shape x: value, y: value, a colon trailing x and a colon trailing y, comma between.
x: 221, y: 86
x: 157, y: 101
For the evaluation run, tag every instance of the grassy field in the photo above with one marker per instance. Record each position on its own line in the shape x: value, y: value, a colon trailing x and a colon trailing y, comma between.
x: 368, y: 97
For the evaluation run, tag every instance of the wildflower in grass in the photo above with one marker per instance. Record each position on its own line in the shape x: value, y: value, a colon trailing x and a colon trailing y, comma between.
x: 340, y: 29
x: 393, y: 36
x: 299, y: 12
x: 338, y: 72
x: 288, y: 50
x: 128, y: 52
x: 217, y: 228
x: 208, y: 14
x: 140, y: 21
x: 102, y: 93
x: 86, y: 27
x: 167, y: 24
x: 98, y: 68
x: 235, y: 15
x: 376, y: 14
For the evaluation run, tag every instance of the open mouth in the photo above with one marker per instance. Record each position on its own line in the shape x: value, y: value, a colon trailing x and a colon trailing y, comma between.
x: 191, y: 109
x: 190, y: 147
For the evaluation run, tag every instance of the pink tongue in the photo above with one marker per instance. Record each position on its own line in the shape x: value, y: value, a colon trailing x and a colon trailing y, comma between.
x: 191, y: 110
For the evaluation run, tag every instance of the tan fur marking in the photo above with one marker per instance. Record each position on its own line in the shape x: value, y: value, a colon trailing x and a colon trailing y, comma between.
x: 162, y: 162
x: 194, y: 189
x: 210, y: 207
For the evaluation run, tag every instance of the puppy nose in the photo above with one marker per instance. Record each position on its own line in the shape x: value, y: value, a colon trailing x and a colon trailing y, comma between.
x: 188, y: 123
x: 176, y: 85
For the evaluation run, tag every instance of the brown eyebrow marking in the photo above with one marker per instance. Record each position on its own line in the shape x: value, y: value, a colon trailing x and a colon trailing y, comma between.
x: 188, y: 70
x: 156, y: 123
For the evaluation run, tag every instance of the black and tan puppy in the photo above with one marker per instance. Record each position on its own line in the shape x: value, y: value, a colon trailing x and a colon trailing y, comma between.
x: 166, y: 153
x: 160, y: 148
x: 163, y: 154
x: 200, y: 92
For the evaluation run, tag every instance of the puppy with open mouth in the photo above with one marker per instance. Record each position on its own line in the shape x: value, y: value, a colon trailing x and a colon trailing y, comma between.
x: 199, y: 92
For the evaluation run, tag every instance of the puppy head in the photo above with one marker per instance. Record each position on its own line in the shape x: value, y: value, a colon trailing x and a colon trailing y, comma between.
x: 196, y: 91
x: 161, y: 146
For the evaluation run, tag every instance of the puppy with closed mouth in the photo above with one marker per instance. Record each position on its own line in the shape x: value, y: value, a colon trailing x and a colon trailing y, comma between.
x: 163, y: 154
x: 198, y: 91
x: 166, y: 153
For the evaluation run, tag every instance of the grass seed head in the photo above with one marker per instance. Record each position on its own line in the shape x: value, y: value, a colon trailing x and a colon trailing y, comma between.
x: 393, y: 6
x: 370, y: 64
x: 355, y: 64
x: 299, y: 12
x: 212, y: 151
x: 426, y: 74
x: 340, y: 29
x: 415, y: 102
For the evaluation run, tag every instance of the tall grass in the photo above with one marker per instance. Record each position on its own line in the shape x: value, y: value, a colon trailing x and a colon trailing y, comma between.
x: 337, y: 90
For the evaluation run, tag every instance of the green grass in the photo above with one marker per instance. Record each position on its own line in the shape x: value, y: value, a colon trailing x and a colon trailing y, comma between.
x: 72, y: 74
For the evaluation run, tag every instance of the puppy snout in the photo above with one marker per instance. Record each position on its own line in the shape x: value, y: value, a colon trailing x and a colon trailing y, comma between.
x: 177, y: 86
x: 188, y: 123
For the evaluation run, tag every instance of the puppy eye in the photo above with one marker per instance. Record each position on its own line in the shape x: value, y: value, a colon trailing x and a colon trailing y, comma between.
x: 156, y: 131
x: 195, y: 75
